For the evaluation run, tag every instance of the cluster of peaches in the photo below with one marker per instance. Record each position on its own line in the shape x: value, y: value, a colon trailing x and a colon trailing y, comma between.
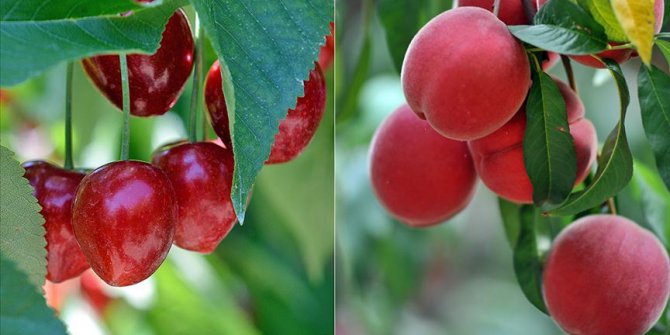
x: 122, y: 218
x: 465, y: 79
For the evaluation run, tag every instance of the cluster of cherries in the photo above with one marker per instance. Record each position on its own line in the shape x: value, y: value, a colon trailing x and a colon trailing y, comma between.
x: 122, y: 218
x: 465, y: 79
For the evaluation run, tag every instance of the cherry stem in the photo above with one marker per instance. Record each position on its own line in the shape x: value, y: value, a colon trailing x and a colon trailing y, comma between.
x: 125, y: 89
x: 69, y: 165
x: 569, y: 73
x: 496, y: 7
x: 197, y: 85
x: 200, y: 69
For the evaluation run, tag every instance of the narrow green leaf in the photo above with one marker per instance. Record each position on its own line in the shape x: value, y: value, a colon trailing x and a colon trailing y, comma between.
x: 664, y: 46
x: 21, y: 225
x: 42, y: 10
x: 266, y: 50
x: 615, y: 166
x: 562, y: 26
x: 654, y: 95
x: 359, y: 76
x: 510, y: 214
x: 602, y: 12
x: 654, y: 201
x: 31, y: 47
x: 22, y: 309
x: 401, y: 20
x: 548, y: 149
x: 527, y: 263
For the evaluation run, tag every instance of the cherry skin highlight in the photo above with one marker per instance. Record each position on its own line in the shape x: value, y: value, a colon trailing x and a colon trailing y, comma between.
x: 499, y: 157
x: 467, y: 82
x: 605, y: 275
x: 124, y: 219
x: 295, y: 131
x: 155, y: 81
x: 54, y: 189
x: 202, y: 175
x: 419, y: 176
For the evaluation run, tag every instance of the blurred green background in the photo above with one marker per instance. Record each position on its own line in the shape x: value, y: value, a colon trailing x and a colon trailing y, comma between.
x: 274, y: 275
x: 457, y: 277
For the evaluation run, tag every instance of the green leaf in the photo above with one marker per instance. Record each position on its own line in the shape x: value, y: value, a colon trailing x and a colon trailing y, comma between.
x: 266, y: 50
x: 664, y: 46
x: 21, y: 225
x: 300, y: 195
x: 42, y: 10
x: 654, y: 199
x: 602, y: 12
x: 355, y: 83
x: 401, y: 20
x: 22, y: 309
x: 511, y: 218
x: 654, y: 95
x: 31, y: 47
x: 562, y: 26
x: 615, y: 166
x: 527, y: 262
x: 548, y: 149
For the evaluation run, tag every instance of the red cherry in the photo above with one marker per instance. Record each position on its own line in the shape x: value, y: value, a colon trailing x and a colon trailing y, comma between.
x: 124, y: 217
x: 295, y: 131
x: 201, y: 174
x: 54, y: 189
x: 156, y: 81
x: 328, y: 50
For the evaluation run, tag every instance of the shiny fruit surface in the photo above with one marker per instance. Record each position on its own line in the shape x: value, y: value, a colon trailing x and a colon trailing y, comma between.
x: 202, y: 175
x: 55, y: 189
x: 124, y: 219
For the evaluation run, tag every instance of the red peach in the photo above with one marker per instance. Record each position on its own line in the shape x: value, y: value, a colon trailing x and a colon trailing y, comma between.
x: 499, y: 157
x: 465, y: 73
x: 419, y: 176
x: 511, y: 11
x: 605, y: 275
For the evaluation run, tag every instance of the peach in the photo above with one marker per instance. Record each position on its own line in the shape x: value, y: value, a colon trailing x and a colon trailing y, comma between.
x: 622, y: 55
x: 605, y: 275
x: 465, y: 73
x: 499, y: 157
x: 511, y: 11
x: 419, y: 176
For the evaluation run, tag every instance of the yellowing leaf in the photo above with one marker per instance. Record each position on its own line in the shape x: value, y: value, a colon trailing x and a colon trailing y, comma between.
x: 602, y: 12
x: 637, y: 20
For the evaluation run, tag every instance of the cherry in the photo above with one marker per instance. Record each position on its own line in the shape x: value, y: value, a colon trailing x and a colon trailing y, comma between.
x: 202, y: 175
x: 328, y: 50
x: 156, y: 81
x: 54, y: 189
x: 124, y: 217
x: 421, y: 177
x: 295, y: 131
